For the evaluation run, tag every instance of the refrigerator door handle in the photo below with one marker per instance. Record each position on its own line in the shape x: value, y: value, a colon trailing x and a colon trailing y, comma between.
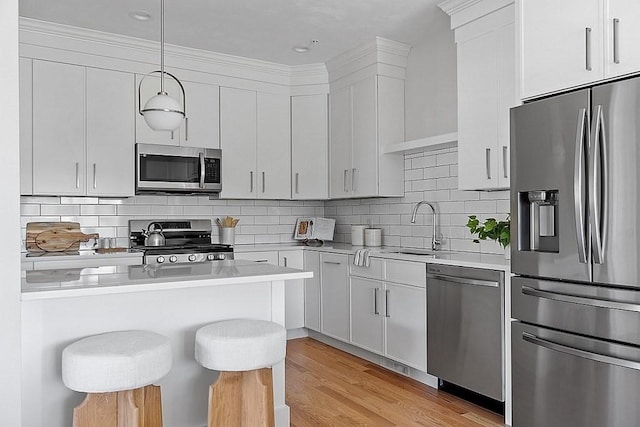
x: 578, y: 186
x: 580, y: 353
x: 598, y: 205
x: 576, y: 299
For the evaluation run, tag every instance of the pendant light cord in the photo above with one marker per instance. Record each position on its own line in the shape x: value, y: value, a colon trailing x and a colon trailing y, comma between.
x: 162, y: 46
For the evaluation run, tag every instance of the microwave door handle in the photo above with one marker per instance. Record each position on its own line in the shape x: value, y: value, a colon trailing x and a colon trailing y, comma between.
x: 578, y: 185
x: 201, y: 156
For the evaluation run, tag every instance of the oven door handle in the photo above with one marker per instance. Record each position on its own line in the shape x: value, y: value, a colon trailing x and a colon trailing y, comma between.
x: 201, y: 157
x: 596, y: 357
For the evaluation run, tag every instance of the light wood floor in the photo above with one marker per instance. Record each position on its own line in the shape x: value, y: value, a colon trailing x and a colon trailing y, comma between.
x: 327, y: 387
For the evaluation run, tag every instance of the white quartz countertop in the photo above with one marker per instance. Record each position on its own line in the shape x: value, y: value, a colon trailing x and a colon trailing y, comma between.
x: 463, y: 259
x: 72, y: 282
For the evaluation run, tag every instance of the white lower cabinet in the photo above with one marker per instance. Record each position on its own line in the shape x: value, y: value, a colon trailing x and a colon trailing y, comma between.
x: 294, y: 289
x: 334, y: 295
x: 367, y: 322
x: 387, y: 317
x: 312, y: 291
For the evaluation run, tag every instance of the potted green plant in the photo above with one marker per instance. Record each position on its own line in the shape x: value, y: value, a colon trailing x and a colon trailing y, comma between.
x: 491, y: 229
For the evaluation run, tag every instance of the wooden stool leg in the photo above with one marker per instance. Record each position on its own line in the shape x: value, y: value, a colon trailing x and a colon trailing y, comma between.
x: 141, y: 407
x: 242, y: 399
x: 148, y: 399
x: 96, y: 410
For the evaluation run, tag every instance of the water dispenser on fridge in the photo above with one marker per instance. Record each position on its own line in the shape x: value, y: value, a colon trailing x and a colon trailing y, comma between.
x: 538, y: 221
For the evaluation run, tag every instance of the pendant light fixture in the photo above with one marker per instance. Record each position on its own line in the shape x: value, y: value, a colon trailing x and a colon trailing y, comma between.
x: 162, y: 112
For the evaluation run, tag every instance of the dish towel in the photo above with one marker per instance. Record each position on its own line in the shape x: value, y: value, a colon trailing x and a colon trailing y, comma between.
x: 362, y: 258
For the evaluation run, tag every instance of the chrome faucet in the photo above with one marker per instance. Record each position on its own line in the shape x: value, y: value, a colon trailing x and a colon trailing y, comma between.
x: 435, y: 242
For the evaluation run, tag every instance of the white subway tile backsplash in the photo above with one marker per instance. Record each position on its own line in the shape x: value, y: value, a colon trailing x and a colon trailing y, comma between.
x: 97, y: 209
x: 29, y: 210
x: 135, y: 210
x: 48, y: 210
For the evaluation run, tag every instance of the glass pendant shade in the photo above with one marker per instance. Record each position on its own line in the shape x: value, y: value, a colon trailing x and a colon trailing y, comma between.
x: 162, y: 112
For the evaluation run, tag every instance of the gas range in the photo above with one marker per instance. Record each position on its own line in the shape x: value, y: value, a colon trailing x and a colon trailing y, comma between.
x: 186, y: 241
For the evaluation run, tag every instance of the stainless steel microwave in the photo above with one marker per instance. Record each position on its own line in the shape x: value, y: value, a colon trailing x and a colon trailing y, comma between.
x: 178, y: 170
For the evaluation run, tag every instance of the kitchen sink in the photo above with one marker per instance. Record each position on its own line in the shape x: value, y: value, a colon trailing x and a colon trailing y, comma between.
x: 416, y: 251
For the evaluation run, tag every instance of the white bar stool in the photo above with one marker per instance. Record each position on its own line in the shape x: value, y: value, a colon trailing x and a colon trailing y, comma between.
x: 116, y: 370
x: 243, y: 351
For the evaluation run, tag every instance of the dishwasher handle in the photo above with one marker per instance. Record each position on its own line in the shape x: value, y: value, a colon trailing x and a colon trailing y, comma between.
x: 464, y: 280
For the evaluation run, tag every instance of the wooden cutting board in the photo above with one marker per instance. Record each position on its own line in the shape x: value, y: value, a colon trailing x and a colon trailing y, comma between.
x: 55, y: 237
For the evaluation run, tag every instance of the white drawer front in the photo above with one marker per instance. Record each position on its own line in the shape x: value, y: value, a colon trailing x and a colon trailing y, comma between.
x: 407, y: 272
x: 374, y: 271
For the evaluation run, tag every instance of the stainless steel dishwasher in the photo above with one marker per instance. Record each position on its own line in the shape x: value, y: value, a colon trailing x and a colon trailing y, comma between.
x: 465, y: 328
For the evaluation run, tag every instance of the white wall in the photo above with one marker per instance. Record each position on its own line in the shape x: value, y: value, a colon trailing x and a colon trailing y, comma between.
x: 430, y: 105
x: 10, y: 328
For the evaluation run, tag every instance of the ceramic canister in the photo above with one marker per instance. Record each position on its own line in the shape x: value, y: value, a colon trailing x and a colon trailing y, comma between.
x: 357, y: 235
x: 373, y: 237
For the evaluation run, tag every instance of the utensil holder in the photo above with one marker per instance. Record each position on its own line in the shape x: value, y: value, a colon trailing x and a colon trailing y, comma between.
x: 373, y: 237
x: 227, y: 235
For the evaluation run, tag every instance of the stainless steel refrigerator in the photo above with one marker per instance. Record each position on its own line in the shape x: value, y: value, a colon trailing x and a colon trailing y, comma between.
x: 575, y: 203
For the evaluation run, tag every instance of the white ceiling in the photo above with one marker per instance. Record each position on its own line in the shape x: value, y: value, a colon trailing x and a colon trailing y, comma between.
x: 260, y: 29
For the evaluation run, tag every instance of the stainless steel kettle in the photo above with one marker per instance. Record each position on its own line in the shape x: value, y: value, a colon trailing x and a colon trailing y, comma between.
x: 154, y: 237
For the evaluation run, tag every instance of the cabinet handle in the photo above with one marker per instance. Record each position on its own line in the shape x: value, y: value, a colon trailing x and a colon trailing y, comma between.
x: 344, y: 180
x: 251, y: 182
x: 95, y: 181
x: 332, y: 262
x: 172, y: 136
x: 616, y: 48
x: 285, y: 261
x: 587, y: 43
x: 186, y: 128
x: 488, y: 162
x: 297, y: 182
x: 375, y: 301
x: 353, y: 179
x: 263, y: 182
x: 262, y: 260
x: 77, y: 175
x: 504, y: 161
x: 386, y: 303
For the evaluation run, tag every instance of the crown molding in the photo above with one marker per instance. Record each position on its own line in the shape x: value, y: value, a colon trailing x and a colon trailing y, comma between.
x: 378, y: 51
x: 464, y: 11
x: 84, y: 40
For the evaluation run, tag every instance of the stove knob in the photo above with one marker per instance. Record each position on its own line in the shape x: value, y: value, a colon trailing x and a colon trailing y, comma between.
x: 221, y: 256
x: 211, y: 257
x: 192, y: 258
x: 160, y: 259
x: 173, y: 258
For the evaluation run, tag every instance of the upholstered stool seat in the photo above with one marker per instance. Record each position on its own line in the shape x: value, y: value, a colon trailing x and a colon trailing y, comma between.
x: 117, y: 370
x: 243, y: 351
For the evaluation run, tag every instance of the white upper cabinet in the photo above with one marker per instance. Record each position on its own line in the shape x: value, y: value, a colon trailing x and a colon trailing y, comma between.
x: 274, y: 146
x: 309, y: 147
x: 238, y: 143
x: 486, y: 91
x: 362, y: 114
x: 575, y: 42
x: 82, y: 123
x: 58, y: 129
x: 622, y: 33
x: 366, y: 109
x: 110, y: 130
x: 340, y: 160
x: 202, y: 124
x: 26, y: 126
x: 561, y: 44
x: 256, y: 144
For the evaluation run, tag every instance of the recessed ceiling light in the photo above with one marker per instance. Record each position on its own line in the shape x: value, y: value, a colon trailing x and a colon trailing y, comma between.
x: 140, y: 15
x: 301, y: 48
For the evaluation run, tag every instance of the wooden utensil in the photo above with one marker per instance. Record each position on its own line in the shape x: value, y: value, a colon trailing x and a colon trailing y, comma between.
x: 55, y: 236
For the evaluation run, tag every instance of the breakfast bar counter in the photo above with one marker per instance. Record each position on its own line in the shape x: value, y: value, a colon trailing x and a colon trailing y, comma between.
x: 63, y: 305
